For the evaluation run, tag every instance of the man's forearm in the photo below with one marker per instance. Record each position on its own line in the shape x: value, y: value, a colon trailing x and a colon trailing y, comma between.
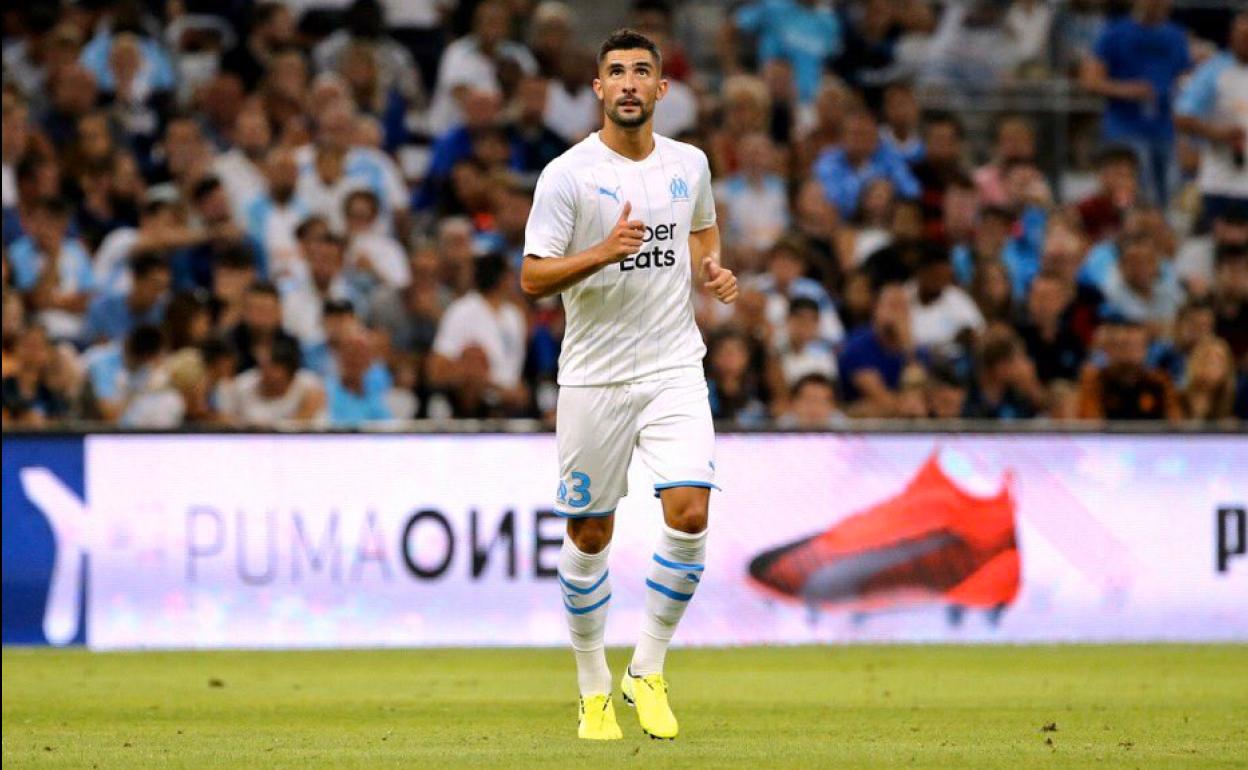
x: 542, y: 277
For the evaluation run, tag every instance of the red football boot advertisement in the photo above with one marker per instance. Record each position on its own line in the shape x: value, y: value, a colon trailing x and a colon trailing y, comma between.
x: 932, y: 543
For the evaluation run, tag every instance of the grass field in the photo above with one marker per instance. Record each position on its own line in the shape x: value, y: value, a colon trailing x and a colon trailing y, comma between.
x: 945, y: 707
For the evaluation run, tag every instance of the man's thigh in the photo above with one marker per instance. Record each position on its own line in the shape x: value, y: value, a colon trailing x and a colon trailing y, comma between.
x: 595, y: 430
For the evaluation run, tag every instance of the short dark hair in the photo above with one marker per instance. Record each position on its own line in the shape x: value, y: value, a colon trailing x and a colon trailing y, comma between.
x: 999, y: 350
x: 814, y: 378
x: 948, y: 118
x: 264, y: 287
x: 285, y: 353
x: 146, y: 263
x: 238, y: 257
x: 798, y: 304
x: 337, y: 307
x: 488, y: 271
x: 144, y: 342
x: 205, y: 187
x: 301, y: 231
x: 627, y: 40
x: 367, y: 195
x: 1116, y: 153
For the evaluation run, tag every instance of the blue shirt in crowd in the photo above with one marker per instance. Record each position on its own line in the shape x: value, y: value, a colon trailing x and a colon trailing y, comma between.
x: 806, y: 36
x: 1133, y: 51
x: 349, y: 409
x: 843, y: 183
x: 865, y: 351
x: 110, y: 317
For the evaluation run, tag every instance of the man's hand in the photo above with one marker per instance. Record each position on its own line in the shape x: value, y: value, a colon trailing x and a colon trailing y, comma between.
x: 625, y: 238
x: 719, y: 281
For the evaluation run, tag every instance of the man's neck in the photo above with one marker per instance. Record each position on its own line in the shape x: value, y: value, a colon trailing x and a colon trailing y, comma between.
x: 633, y: 143
x: 494, y: 299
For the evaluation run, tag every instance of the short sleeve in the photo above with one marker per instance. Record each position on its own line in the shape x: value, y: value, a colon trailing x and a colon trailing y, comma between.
x: 1198, y: 97
x: 704, y: 200
x: 449, y: 341
x: 552, y: 219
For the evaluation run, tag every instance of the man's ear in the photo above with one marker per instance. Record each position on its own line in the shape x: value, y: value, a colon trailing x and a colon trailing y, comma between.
x: 662, y: 89
x: 597, y: 85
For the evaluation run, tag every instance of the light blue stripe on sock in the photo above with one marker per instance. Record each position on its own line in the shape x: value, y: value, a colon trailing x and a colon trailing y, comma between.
x: 582, y: 591
x: 678, y: 564
x: 669, y: 593
x: 590, y: 608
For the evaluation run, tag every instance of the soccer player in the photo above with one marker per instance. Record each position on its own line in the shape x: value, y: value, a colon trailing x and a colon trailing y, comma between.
x: 621, y: 224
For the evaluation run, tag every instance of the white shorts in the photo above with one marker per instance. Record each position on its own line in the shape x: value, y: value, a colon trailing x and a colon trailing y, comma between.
x: 668, y: 421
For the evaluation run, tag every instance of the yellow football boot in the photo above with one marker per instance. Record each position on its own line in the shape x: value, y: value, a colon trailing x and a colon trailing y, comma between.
x: 597, y: 719
x: 648, y: 694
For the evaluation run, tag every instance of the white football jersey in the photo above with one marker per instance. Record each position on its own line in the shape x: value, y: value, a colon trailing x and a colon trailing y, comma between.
x: 631, y: 320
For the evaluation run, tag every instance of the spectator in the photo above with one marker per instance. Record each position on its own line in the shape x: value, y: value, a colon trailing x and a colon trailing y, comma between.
x: 990, y: 290
x: 1057, y: 351
x: 1139, y: 290
x: 1209, y: 389
x: 754, y: 199
x: 873, y: 30
x: 1118, y: 187
x: 317, y: 278
x: 1134, y: 65
x: 34, y: 392
x: 874, y: 357
x: 946, y: 394
x: 1126, y: 388
x: 483, y: 321
x: 943, y: 316
x: 192, y: 266
x: 353, y: 399
x: 550, y: 34
x: 111, y: 317
x: 1195, y: 260
x: 846, y: 170
x: 277, y: 392
x: 941, y: 165
x: 735, y: 388
x: 478, y: 60
x: 746, y: 106
x: 801, y: 352
x: 812, y: 405
x: 372, y: 260
x: 14, y: 140
x: 233, y: 272
x: 119, y: 372
x: 531, y: 143
x: 1015, y: 141
x: 53, y: 270
x: 271, y: 28
x: 1230, y: 298
x: 901, y: 121
x: 1006, y: 386
x: 274, y: 213
x: 571, y: 106
x: 260, y: 326
x: 1213, y: 107
x: 241, y: 169
x: 1029, y: 24
x: 785, y: 280
x: 805, y: 33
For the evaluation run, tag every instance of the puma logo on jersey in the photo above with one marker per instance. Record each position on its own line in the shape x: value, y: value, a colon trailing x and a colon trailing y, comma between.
x: 612, y: 194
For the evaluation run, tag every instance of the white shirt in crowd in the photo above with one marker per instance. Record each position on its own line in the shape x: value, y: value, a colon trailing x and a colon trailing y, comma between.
x: 244, y: 402
x: 937, y: 324
x: 631, y: 320
x: 571, y: 115
x: 242, y: 179
x: 817, y: 357
x: 463, y: 64
x: 386, y: 255
x: 677, y: 112
x: 8, y: 186
x: 364, y: 168
x: 502, y: 334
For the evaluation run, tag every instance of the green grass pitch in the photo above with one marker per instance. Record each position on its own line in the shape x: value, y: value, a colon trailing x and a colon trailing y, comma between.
x: 843, y: 707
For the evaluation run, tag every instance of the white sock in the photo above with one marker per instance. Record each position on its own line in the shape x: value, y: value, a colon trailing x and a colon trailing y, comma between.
x: 675, y: 572
x: 586, y: 588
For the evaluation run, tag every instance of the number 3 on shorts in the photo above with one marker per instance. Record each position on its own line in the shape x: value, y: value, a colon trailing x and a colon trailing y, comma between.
x: 580, y: 490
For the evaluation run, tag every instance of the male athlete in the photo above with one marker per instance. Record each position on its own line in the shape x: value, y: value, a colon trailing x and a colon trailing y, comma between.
x: 620, y: 225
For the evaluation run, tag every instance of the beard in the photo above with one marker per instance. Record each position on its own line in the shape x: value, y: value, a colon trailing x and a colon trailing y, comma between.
x: 644, y: 113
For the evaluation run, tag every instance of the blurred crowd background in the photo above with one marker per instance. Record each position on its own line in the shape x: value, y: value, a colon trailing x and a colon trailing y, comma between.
x: 311, y: 213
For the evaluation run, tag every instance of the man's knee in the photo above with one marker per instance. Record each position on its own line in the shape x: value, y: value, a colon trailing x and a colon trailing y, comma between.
x: 688, y: 515
x: 590, y: 535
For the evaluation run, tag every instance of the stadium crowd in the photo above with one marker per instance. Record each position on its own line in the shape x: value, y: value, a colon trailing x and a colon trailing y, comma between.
x: 302, y: 213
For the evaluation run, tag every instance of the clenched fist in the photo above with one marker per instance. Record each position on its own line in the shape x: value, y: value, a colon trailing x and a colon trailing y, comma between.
x: 720, y: 281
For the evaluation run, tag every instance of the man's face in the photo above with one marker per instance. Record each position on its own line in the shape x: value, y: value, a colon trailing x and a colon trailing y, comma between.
x: 803, y: 327
x: 262, y: 312
x: 360, y: 214
x: 1193, y: 325
x: 74, y: 91
x: 861, y: 137
x: 214, y: 207
x: 282, y: 173
x: 251, y: 132
x: 151, y: 287
x: 943, y: 145
x: 1121, y: 182
x: 1126, y: 346
x: 1232, y: 278
x: 901, y: 109
x: 48, y: 230
x: 814, y: 405
x: 892, y: 309
x: 491, y: 24
x: 629, y: 84
x: 1046, y: 300
x: 1139, y: 266
x: 961, y: 209
x: 324, y: 260
x: 785, y: 266
x: 1063, y: 252
x: 934, y: 278
x: 230, y: 283
x: 1239, y: 37
x: 946, y: 401
x: 273, y: 377
x: 1015, y: 140
x: 337, y: 128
